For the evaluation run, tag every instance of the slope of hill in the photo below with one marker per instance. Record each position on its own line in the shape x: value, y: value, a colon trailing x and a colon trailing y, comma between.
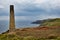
x: 15, y: 37
x: 38, y: 33
x: 48, y: 22
x: 48, y: 30
x: 51, y: 22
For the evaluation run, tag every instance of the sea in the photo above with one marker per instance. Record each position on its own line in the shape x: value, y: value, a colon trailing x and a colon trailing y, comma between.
x: 4, y: 25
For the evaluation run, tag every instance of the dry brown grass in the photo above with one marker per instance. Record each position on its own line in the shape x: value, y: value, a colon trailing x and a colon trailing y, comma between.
x: 38, y: 32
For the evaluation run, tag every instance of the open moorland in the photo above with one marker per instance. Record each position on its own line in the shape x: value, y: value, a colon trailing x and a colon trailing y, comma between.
x: 48, y: 30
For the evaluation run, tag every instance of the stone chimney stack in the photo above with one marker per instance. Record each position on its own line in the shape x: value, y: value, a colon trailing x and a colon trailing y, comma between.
x: 12, y: 19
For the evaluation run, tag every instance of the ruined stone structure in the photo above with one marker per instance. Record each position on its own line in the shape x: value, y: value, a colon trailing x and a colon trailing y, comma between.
x: 12, y: 19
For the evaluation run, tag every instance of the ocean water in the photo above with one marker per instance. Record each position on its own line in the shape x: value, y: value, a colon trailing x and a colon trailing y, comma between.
x: 4, y: 25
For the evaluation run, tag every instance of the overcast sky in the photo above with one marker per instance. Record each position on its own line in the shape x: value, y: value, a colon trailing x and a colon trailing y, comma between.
x: 30, y: 9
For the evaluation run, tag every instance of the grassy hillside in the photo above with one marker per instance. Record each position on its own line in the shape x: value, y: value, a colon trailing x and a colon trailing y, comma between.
x: 9, y: 37
x: 38, y: 33
x: 15, y: 37
x: 51, y: 22
x: 48, y: 22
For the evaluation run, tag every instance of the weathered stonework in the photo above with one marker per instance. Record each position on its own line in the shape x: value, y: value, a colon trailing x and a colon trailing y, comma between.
x: 12, y: 19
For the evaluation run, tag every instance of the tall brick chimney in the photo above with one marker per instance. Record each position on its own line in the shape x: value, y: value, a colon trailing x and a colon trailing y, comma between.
x: 12, y: 19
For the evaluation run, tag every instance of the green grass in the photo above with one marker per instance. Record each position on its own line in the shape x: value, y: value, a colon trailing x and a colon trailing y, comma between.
x: 52, y: 22
x: 15, y: 37
x: 9, y: 37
